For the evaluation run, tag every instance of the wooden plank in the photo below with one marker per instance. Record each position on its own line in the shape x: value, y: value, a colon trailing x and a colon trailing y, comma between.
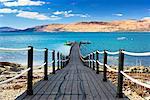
x: 22, y: 96
x: 52, y: 86
x: 74, y: 92
x: 67, y: 95
x: 41, y: 90
x: 57, y: 90
x: 103, y: 87
x: 95, y: 94
x: 81, y: 89
x: 86, y: 86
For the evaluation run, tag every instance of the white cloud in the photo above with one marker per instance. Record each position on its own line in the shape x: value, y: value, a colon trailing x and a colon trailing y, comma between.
x: 8, y: 10
x: 145, y: 18
x: 5, y: 0
x: 118, y: 14
x: 36, y: 15
x: 62, y: 12
x: 24, y: 3
x: 29, y: 14
x: 1, y: 15
x: 32, y: 15
x: 53, y: 17
x: 69, y: 14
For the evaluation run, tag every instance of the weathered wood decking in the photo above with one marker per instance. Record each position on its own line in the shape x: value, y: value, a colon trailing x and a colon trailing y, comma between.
x: 74, y: 82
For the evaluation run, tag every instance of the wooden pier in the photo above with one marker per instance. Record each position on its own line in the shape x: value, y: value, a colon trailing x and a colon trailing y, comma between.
x: 74, y: 82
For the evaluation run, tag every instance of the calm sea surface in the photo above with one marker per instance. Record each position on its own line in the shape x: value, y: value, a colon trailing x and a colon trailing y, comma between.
x: 133, y: 41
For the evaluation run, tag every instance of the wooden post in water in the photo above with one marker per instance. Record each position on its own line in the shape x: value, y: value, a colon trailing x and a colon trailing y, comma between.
x: 104, y: 67
x: 97, y: 65
x: 58, y: 61
x: 120, y: 76
x: 46, y: 64
x: 93, y: 61
x: 30, y: 72
x: 53, y: 59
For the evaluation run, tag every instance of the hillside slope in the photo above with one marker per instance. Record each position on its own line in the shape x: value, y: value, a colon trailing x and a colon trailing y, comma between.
x: 126, y: 25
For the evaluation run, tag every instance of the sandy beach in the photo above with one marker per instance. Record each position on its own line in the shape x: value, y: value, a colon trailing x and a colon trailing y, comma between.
x: 9, y: 91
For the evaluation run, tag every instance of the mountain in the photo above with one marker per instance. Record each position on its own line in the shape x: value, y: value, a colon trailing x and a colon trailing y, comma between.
x: 94, y: 26
x: 8, y: 29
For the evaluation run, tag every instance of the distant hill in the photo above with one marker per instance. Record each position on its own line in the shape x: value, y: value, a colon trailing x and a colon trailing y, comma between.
x: 95, y: 26
x: 8, y: 29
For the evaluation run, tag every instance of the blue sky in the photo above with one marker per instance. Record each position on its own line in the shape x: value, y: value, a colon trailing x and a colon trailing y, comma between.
x: 29, y: 13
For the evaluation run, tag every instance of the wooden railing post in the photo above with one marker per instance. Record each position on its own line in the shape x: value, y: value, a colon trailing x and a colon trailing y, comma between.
x: 30, y: 72
x: 120, y: 76
x: 93, y: 61
x: 97, y: 65
x: 104, y: 67
x: 90, y: 60
x: 58, y: 60
x: 66, y: 61
x: 53, y: 59
x: 46, y: 65
x: 61, y: 61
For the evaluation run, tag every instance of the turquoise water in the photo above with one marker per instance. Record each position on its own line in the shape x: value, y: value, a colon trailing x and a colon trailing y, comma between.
x: 130, y: 41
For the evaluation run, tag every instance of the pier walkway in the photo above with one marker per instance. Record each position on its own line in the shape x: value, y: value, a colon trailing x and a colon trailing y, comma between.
x: 74, y: 82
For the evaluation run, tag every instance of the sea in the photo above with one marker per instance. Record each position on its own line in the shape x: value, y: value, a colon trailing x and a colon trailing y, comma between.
x: 111, y: 41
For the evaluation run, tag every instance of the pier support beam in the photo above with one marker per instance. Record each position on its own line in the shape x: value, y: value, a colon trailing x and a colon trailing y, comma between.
x: 104, y: 67
x: 61, y: 63
x: 93, y: 61
x: 120, y: 76
x: 58, y: 61
x: 30, y: 72
x: 46, y: 65
x: 97, y: 65
x: 90, y: 60
x: 53, y: 59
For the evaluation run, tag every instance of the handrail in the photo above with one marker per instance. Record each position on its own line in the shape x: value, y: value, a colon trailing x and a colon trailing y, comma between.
x: 17, y: 76
x: 112, y: 53
x: 120, y: 71
x: 135, y: 80
x: 110, y: 68
x: 64, y: 60
x: 100, y: 63
x: 13, y: 49
x: 39, y: 50
x: 100, y: 52
x: 40, y: 66
x: 30, y: 50
x: 136, y: 54
x: 51, y: 62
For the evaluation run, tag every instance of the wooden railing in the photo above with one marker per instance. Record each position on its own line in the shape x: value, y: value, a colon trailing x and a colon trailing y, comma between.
x: 92, y: 61
x: 62, y: 61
